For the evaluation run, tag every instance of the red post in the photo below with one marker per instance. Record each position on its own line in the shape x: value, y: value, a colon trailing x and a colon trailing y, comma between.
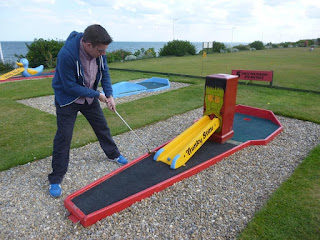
x: 220, y: 101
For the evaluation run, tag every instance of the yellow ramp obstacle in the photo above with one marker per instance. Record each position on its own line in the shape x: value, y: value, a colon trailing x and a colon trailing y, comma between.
x: 181, y: 149
x: 11, y: 73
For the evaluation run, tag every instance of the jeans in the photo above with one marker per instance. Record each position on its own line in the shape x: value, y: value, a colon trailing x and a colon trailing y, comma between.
x: 66, y: 117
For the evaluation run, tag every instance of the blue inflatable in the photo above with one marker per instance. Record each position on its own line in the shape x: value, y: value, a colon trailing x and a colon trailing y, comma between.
x: 29, y: 72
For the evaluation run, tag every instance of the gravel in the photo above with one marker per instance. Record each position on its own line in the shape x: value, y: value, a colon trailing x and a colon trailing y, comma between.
x: 216, y: 203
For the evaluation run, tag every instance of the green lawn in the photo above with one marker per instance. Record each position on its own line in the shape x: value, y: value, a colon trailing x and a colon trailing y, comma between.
x: 293, y: 211
x: 27, y: 133
x: 293, y: 67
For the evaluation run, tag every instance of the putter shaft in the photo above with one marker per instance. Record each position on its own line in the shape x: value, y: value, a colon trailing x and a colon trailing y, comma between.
x: 133, y: 131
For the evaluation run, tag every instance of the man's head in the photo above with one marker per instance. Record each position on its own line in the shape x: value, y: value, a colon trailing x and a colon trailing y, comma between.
x: 96, y: 40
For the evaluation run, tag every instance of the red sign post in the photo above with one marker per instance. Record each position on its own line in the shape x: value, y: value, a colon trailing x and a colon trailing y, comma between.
x: 253, y: 75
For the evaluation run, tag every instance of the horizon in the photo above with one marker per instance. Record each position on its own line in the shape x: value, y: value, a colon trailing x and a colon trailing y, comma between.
x: 233, y: 43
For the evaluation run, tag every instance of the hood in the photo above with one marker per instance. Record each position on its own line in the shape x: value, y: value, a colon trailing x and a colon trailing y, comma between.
x: 72, y: 43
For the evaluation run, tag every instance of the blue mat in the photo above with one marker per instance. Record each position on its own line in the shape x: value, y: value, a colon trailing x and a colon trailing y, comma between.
x: 123, y: 89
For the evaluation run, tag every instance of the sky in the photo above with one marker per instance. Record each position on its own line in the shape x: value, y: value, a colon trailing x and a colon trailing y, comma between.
x: 242, y: 21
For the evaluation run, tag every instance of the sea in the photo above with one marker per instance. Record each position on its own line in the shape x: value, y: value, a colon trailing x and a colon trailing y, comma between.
x: 12, y: 48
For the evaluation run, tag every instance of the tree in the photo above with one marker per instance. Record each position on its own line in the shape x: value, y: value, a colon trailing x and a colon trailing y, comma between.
x: 217, y: 46
x: 43, y: 52
x: 178, y: 48
x: 258, y: 45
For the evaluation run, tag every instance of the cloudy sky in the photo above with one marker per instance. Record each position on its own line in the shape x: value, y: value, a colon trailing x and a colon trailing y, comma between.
x: 163, y: 20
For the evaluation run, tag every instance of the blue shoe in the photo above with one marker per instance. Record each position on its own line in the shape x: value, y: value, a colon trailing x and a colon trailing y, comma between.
x: 121, y: 160
x: 55, y: 190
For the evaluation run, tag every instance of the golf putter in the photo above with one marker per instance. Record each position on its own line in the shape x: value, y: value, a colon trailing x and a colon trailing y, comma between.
x: 150, y: 152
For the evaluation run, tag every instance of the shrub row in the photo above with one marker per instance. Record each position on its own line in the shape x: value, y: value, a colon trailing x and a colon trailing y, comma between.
x: 121, y: 55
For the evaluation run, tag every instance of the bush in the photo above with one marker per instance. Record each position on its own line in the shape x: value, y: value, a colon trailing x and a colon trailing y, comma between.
x: 117, y: 55
x: 258, y: 45
x: 43, y: 52
x: 178, y: 48
x: 241, y: 47
x: 271, y: 45
x: 130, y: 58
x: 120, y: 55
x: 6, y: 67
x: 150, y: 53
x: 218, y: 46
x: 285, y: 44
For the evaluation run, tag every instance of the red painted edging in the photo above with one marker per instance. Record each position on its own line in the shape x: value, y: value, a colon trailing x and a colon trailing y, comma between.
x: 87, y: 220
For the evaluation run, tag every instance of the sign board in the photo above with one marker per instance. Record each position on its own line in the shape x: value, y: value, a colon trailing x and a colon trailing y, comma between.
x: 254, y: 75
x: 207, y: 45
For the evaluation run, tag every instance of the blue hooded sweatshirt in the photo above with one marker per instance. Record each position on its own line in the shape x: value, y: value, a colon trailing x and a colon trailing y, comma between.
x: 68, y: 82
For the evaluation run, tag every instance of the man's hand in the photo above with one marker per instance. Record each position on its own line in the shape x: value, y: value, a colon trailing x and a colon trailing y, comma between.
x: 103, y: 98
x: 109, y: 101
x: 111, y: 104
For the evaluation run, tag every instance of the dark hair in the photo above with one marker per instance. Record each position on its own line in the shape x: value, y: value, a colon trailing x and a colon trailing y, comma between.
x: 96, y: 34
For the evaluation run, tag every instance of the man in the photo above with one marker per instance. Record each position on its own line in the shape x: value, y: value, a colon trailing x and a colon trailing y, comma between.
x: 81, y: 65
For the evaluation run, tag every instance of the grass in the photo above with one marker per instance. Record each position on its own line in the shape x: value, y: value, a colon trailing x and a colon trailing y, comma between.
x: 293, y: 211
x: 293, y: 67
x: 27, y: 133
